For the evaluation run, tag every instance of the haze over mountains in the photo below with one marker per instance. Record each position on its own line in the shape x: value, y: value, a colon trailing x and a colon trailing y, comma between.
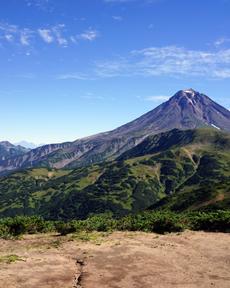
x: 28, y: 145
x: 187, y: 109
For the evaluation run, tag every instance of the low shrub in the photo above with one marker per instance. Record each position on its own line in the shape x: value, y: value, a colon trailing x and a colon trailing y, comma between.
x: 149, y: 221
x: 24, y: 224
x: 158, y: 222
x: 64, y: 228
x: 218, y: 221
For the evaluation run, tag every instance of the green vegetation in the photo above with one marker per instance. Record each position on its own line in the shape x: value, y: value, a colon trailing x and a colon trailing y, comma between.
x: 94, y: 237
x: 8, y: 259
x: 14, y: 227
x: 177, y: 170
x: 208, y: 188
x: 85, y: 230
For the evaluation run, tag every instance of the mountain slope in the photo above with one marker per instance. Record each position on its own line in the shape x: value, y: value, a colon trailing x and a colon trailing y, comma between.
x: 205, y: 137
x: 187, y: 109
x: 207, y: 189
x: 192, y: 172
x: 8, y: 150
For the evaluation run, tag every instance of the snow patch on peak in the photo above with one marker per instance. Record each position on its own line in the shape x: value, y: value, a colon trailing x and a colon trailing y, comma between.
x: 189, y: 91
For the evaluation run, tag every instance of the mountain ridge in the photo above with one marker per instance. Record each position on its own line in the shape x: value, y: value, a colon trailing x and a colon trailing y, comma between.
x: 191, y: 173
x: 187, y: 109
x: 8, y: 150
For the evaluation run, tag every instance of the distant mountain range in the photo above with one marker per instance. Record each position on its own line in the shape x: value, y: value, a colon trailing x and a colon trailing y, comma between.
x: 8, y: 150
x: 187, y: 109
x: 28, y: 145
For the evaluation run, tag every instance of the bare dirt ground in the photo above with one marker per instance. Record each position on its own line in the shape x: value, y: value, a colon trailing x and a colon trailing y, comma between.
x: 128, y: 259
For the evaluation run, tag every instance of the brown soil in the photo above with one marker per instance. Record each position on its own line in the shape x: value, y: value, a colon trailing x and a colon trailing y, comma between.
x: 138, y: 260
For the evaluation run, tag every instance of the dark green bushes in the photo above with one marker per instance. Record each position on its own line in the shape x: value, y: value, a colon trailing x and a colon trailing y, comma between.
x: 149, y: 221
x: 65, y: 228
x: 218, y: 221
x: 13, y: 227
x: 101, y: 223
x: 158, y: 222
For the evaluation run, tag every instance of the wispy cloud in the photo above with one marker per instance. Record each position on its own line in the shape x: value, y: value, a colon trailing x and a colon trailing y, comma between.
x: 91, y: 96
x: 58, y: 32
x: 12, y: 33
x: 74, y: 76
x: 89, y: 35
x: 51, y: 34
x: 171, y: 61
x: 9, y: 37
x: 25, y: 36
x: 157, y: 98
x: 117, y: 18
x: 45, y: 5
x: 54, y: 34
x: 46, y: 35
x: 167, y: 61
x: 221, y: 41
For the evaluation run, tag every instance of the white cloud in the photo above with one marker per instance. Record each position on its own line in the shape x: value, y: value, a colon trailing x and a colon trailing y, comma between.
x: 117, y: 18
x: 157, y: 98
x: 62, y: 41
x: 46, y: 35
x: 89, y: 35
x: 5, y: 27
x: 57, y: 30
x: 8, y: 32
x: 25, y: 37
x: 91, y: 96
x: 168, y: 61
x: 9, y: 37
x: 13, y: 33
x: 53, y: 34
x: 45, y: 5
x: 74, y: 76
x: 221, y: 41
x: 24, y: 40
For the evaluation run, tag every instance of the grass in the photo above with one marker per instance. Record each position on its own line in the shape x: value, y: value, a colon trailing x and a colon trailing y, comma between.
x: 94, y: 237
x: 12, y: 258
x: 88, y: 180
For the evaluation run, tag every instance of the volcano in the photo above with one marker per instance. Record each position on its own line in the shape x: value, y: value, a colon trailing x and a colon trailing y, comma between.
x: 187, y: 109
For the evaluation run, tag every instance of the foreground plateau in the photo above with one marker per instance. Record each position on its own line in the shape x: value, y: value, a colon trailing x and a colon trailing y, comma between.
x: 128, y: 259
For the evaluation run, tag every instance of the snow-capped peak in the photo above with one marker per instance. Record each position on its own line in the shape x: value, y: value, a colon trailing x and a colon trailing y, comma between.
x: 189, y: 91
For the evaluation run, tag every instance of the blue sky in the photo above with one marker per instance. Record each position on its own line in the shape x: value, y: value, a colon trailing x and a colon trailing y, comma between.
x: 72, y: 68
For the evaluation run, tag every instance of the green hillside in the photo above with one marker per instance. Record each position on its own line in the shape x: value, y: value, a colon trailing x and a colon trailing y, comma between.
x: 207, y: 189
x: 177, y: 170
